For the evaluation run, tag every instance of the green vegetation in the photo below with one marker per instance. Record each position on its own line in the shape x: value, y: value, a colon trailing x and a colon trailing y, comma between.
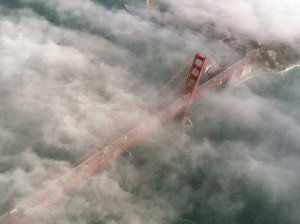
x: 153, y: 4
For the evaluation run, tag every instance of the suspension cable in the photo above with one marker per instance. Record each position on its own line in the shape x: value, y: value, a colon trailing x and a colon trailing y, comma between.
x: 174, y: 76
x: 173, y: 91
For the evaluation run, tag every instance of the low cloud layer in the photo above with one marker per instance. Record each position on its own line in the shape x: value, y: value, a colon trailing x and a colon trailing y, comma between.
x: 262, y: 20
x: 74, y: 72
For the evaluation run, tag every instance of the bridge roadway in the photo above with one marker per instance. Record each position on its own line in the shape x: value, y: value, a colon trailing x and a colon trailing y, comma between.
x: 57, y: 188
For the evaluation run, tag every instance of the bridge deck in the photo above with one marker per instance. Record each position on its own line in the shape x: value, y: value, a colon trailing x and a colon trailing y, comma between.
x: 56, y: 189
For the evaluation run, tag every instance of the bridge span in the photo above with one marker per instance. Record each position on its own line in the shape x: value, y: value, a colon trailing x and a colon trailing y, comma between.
x: 175, y: 104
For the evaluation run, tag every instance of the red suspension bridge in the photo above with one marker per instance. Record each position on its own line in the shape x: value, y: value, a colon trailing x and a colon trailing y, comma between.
x: 174, y: 102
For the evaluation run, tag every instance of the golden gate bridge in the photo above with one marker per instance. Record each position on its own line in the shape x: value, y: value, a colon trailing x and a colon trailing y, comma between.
x: 175, y: 101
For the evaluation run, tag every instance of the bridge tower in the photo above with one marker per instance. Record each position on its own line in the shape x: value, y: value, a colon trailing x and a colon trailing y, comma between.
x: 192, y: 82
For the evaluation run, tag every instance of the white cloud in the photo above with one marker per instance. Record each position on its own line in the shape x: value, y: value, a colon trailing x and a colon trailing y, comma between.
x: 72, y: 82
x: 264, y: 20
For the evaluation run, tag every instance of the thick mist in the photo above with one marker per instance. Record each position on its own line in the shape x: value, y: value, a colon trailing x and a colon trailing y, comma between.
x: 74, y: 72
